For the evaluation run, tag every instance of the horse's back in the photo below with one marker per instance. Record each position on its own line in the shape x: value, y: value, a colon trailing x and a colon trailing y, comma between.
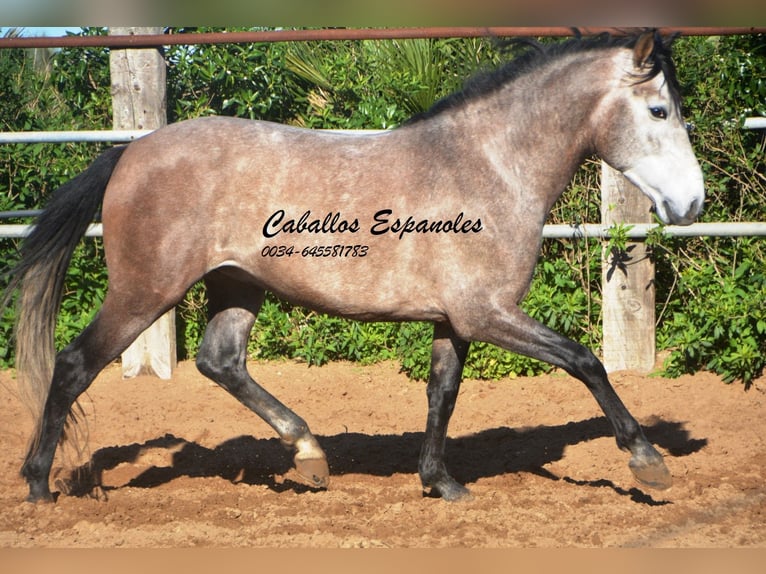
x: 312, y: 216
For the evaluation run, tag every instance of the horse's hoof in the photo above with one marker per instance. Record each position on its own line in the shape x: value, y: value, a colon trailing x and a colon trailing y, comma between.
x: 651, y: 474
x: 451, y: 491
x: 313, y: 471
x: 42, y: 495
x: 461, y: 494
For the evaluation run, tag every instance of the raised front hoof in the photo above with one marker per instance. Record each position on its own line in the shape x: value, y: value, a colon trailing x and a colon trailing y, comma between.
x: 313, y: 472
x: 652, y: 474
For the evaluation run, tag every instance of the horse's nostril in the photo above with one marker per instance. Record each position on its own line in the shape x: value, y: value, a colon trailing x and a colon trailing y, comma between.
x: 679, y: 217
x: 695, y: 208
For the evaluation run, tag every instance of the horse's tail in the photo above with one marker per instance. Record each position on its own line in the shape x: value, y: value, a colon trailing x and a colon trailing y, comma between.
x: 39, y: 278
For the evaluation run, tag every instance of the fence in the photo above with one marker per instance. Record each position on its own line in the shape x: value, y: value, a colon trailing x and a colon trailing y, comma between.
x: 628, y: 307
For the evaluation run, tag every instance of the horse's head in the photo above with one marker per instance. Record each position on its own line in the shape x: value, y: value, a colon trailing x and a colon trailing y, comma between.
x: 643, y: 135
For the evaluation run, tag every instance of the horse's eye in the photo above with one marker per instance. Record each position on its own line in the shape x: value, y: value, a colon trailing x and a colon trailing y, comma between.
x: 659, y: 112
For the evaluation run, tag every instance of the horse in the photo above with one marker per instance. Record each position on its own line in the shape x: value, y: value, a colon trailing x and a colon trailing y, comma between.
x: 438, y: 220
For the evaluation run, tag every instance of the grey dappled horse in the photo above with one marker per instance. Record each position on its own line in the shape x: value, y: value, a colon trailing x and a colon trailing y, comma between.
x: 439, y: 220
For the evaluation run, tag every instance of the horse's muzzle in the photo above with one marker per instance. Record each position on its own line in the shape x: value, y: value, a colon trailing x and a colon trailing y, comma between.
x: 670, y: 213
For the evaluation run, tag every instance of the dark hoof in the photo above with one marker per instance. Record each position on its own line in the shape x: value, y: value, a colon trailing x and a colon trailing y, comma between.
x: 43, y: 495
x: 314, y: 472
x: 450, y: 490
x: 653, y: 474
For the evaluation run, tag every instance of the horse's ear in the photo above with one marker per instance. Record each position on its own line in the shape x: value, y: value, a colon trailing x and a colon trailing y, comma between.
x: 643, y: 49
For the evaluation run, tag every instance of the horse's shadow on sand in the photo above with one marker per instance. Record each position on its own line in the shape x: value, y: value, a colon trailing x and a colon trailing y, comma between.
x: 488, y: 453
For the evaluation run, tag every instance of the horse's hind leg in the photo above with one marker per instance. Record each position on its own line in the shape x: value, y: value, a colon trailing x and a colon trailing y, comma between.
x: 232, y: 307
x: 76, y: 366
x: 447, y: 358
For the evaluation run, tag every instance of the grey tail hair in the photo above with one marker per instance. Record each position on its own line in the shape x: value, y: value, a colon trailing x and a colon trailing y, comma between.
x: 37, y: 280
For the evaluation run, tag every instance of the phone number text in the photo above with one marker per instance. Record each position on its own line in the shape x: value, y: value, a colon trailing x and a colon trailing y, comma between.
x: 315, y: 251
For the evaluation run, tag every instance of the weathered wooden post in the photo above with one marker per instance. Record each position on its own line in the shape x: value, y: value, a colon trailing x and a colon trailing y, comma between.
x: 628, y: 289
x: 138, y: 79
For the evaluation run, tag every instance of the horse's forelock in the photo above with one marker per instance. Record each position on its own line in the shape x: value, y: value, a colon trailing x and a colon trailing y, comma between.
x: 661, y: 62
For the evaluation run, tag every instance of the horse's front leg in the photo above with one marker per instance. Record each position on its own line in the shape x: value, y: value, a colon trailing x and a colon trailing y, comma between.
x: 519, y: 333
x: 447, y: 359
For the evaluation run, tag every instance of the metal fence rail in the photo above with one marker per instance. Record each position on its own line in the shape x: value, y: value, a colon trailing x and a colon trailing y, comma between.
x: 117, y: 136
x: 551, y: 231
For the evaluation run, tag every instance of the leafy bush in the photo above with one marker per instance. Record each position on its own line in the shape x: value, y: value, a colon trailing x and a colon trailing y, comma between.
x: 41, y: 91
x: 727, y: 337
x: 710, y: 290
x: 243, y: 80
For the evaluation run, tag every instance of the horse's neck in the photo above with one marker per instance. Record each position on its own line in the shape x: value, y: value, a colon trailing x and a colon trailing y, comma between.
x: 538, y: 130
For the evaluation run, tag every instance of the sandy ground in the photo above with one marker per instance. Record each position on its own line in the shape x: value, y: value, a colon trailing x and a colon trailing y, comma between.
x: 185, y: 465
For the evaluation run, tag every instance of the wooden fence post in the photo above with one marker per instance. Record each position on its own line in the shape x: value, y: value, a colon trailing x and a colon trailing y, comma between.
x: 628, y: 288
x: 138, y: 86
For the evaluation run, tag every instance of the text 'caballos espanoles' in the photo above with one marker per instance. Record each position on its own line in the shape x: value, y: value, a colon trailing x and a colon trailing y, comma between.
x: 383, y: 222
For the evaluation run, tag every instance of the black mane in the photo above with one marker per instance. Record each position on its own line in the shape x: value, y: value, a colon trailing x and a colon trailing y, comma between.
x: 538, y: 54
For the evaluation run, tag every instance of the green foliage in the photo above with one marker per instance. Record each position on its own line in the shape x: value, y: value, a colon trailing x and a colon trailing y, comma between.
x: 377, y: 84
x: 191, y: 318
x: 244, y: 80
x: 413, y: 349
x: 336, y: 86
x: 557, y: 300
x: 710, y: 292
x: 726, y: 337
x: 733, y: 159
x: 283, y: 330
x: 84, y: 291
x: 42, y: 90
